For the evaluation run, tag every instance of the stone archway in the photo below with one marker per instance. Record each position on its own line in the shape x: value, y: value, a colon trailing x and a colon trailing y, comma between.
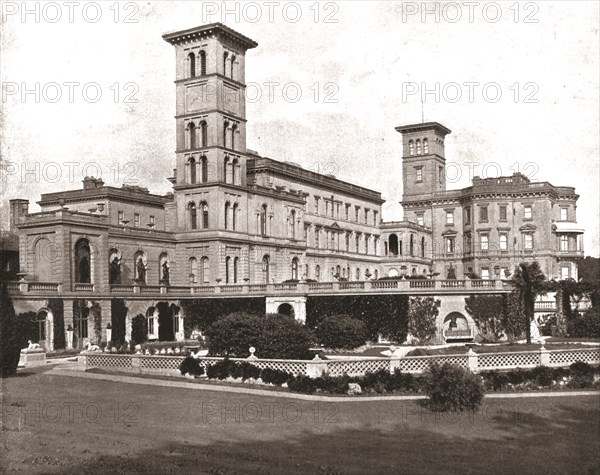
x: 44, y: 329
x: 285, y: 309
x: 293, y: 306
x: 456, y: 326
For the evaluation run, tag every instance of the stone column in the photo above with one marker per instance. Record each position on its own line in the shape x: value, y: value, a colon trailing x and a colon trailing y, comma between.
x: 68, y: 316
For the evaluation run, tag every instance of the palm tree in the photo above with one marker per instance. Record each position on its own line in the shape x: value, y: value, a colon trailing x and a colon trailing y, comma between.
x: 528, y: 280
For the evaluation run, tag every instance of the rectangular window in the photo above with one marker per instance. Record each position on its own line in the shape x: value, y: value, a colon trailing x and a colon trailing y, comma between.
x: 565, y: 272
x: 483, y: 214
x: 528, y: 241
x: 337, y: 210
x: 347, y: 242
x: 316, y: 205
x: 484, y: 242
x: 152, y: 220
x: 326, y: 208
x: 357, y: 243
x: 564, y: 243
x: 317, y: 240
x: 504, y: 241
x: 527, y: 212
x: 503, y: 215
x: 356, y: 211
x: 419, y: 174
x: 151, y: 326
x: 449, y: 217
x: 468, y: 216
x: 366, y: 216
x: 375, y: 223
x: 121, y: 216
x: 347, y: 212
x: 485, y: 273
x: 136, y: 220
x: 420, y: 219
x: 564, y: 214
x: 450, y: 245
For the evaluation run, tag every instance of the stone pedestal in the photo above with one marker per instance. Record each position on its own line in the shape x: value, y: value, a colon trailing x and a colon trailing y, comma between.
x: 32, y: 358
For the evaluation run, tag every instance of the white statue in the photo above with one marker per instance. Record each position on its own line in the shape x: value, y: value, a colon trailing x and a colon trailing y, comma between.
x: 90, y: 347
x: 32, y: 346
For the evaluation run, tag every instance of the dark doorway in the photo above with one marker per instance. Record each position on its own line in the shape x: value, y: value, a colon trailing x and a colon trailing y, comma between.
x: 165, y: 322
x: 286, y: 309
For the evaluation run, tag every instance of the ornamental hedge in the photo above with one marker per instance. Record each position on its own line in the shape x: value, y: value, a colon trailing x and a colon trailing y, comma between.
x: 341, y: 331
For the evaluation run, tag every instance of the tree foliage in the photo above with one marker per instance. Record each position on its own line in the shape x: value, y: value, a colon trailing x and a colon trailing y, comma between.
x: 488, y: 313
x: 528, y: 280
x: 422, y: 317
x: 341, y: 331
x: 10, y: 347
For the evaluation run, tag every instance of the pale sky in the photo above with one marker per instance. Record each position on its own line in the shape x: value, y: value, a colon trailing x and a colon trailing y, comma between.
x: 545, y: 124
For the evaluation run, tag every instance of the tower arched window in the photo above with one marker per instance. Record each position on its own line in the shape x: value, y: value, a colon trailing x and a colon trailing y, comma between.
x: 233, y: 130
x: 419, y: 147
x: 232, y: 63
x: 425, y: 146
x: 317, y: 273
x: 295, y: 268
x: 225, y: 55
x: 236, y: 265
x: 192, y: 165
x: 227, y: 269
x: 234, y: 174
x: 202, y: 56
x: 263, y: 220
x: 226, y: 164
x: 422, y: 247
x: 411, y: 147
x: 234, y: 216
x: 204, y: 134
x: 205, y: 270
x: 204, y: 207
x: 193, y: 270
x: 225, y: 127
x: 192, y: 65
x: 412, y: 245
x: 204, y: 169
x: 192, y: 135
x: 192, y: 216
x: 227, y: 208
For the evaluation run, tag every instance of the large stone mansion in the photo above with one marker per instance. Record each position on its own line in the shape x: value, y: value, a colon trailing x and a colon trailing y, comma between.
x: 235, y: 218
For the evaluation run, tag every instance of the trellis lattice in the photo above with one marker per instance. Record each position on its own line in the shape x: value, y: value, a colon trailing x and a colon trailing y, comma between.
x: 292, y: 366
x: 571, y: 356
x: 357, y: 367
x: 110, y: 361
x: 414, y: 364
x: 508, y: 360
x: 161, y: 362
x: 458, y: 360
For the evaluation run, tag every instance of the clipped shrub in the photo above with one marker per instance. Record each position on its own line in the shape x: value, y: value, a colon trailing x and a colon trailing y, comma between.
x: 582, y: 375
x: 543, y: 375
x: 495, y: 380
x: 586, y: 325
x: 302, y: 384
x: 452, y: 388
x: 139, y: 329
x: 223, y: 369
x: 274, y: 336
x: 192, y: 366
x: 249, y: 371
x: 341, y: 331
x: 333, y: 385
x: 274, y: 376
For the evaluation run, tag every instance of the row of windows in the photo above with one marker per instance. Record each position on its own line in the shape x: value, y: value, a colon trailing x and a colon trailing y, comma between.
x: 416, y: 147
x: 136, y: 220
x: 197, y: 170
x: 197, y: 135
x: 484, y: 242
x: 333, y: 210
x: 200, y: 60
x: 419, y: 177
x: 367, y: 242
x: 394, y: 246
x: 484, y: 215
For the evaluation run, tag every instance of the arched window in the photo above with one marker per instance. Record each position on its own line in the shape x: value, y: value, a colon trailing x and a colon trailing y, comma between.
x: 422, y: 247
x: 411, y: 147
x: 236, y: 264
x: 205, y: 270
x: 295, y: 268
x: 393, y: 247
x: 400, y: 252
x: 234, y: 216
x: 337, y: 272
x: 317, y: 273
x: 234, y: 166
x: 192, y: 64
x: 358, y: 273
x: 192, y: 165
x: 232, y: 63
x: 227, y: 207
x: 419, y: 149
x: 265, y: 268
x: 412, y: 245
x: 233, y: 129
x: 293, y: 224
x: 225, y: 63
x: 226, y: 170
x: 425, y: 146
x: 204, y: 169
x: 306, y: 271
x: 376, y: 274
x: 192, y: 135
x: 263, y: 220
x: 227, y: 271
x: 193, y: 270
x: 204, y: 207
x: 203, y: 134
x: 192, y: 216
x: 225, y: 127
x: 202, y: 55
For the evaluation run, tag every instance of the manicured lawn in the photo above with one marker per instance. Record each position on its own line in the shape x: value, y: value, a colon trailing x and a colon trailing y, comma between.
x: 109, y: 427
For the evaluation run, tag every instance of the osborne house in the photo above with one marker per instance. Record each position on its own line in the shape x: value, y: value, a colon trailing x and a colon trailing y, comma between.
x: 239, y: 225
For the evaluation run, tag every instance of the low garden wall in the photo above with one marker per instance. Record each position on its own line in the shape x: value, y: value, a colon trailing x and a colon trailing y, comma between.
x: 169, y: 365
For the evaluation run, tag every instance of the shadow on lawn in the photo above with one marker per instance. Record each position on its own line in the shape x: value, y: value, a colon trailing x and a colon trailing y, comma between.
x: 510, y: 440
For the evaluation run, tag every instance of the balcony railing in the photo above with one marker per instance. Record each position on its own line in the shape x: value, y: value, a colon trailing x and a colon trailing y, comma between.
x: 301, y: 288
